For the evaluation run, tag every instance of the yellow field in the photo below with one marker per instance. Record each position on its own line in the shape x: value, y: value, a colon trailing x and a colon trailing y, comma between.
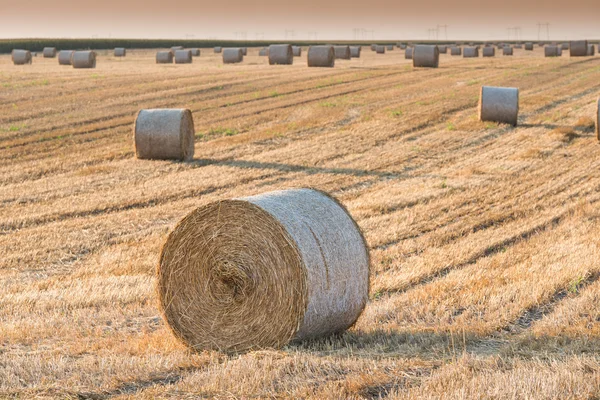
x: 484, y: 238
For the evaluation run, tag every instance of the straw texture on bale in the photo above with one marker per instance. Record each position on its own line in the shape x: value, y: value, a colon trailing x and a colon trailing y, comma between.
x: 498, y: 104
x: 195, y: 52
x: 164, y: 57
x: 281, y: 54
x: 21, y: 57
x: 380, y: 49
x: 489, y: 51
x: 507, y: 51
x: 355, y: 51
x: 470, y: 52
x: 408, y: 54
x: 591, y: 50
x: 529, y: 46
x: 598, y: 120
x: 218, y: 50
x: 49, y: 52
x: 83, y: 59
x: 443, y: 49
x: 264, y: 52
x: 426, y: 56
x: 64, y: 57
x: 120, y: 52
x: 297, y: 50
x: 263, y: 271
x: 321, y: 56
x: 578, y: 48
x: 551, y: 51
x: 342, y: 52
x: 164, y: 134
x: 183, y: 57
x: 233, y: 56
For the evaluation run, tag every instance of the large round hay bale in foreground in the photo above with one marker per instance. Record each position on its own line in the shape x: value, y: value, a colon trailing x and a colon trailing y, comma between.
x: 552, y: 51
x: 426, y: 56
x: 470, y: 52
x: 321, y: 56
x: 342, y: 52
x: 355, y: 51
x: 64, y: 57
x: 281, y: 54
x: 455, y: 51
x: 262, y: 271
x: 507, y: 51
x: 84, y: 59
x: 233, y: 56
x: 578, y: 48
x: 380, y: 49
x: 120, y: 52
x: 164, y: 134
x: 183, y: 57
x: 21, y: 57
x: 164, y: 57
x: 297, y: 50
x: 49, y: 52
x: 489, y: 52
x: 498, y: 104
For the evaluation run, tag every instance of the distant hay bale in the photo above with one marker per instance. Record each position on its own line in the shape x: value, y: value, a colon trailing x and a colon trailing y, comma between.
x: 264, y: 52
x: 489, y: 52
x: 321, y: 56
x: 342, y: 52
x: 443, y: 49
x: 355, y: 51
x: 373, y: 47
x: 281, y: 54
x: 507, y: 51
x: 64, y: 57
x: 408, y: 54
x: 297, y: 50
x: 164, y: 57
x: 529, y: 46
x: 518, y: 46
x: 389, y: 47
x: 402, y: 46
x: 21, y: 57
x: 233, y: 56
x: 183, y: 57
x: 120, y: 52
x: 263, y: 271
x: 564, y: 46
x: 498, y: 104
x: 426, y: 56
x: 598, y: 119
x: 470, y: 52
x: 49, y: 52
x: 578, y: 48
x: 84, y: 59
x: 591, y: 50
x: 164, y: 134
x: 218, y: 50
x: 244, y: 51
x: 455, y: 51
x: 195, y: 52
x: 175, y: 48
x: 380, y: 49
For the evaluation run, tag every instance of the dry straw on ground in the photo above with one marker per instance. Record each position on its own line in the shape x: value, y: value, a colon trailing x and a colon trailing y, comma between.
x: 64, y: 57
x: 321, y: 56
x: 281, y: 54
x: 355, y: 51
x: 498, y: 104
x: 261, y: 271
x: 426, y: 56
x: 578, y: 48
x: 49, y: 52
x: 120, y: 52
x: 233, y: 56
x: 183, y: 57
x: 83, y: 59
x: 164, y: 57
x: 342, y: 52
x: 21, y: 57
x: 164, y: 134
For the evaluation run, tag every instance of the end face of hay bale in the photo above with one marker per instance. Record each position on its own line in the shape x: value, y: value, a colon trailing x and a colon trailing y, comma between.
x: 321, y: 56
x: 342, y: 52
x: 120, y: 52
x: 426, y: 56
x: 164, y: 57
x: 281, y: 54
x: 233, y: 56
x: 217, y: 50
x: 64, y: 57
x: 83, y: 59
x: 380, y: 49
x: 507, y: 51
x: 164, y: 134
x: 499, y: 105
x: 470, y: 52
x: 49, y: 52
x: 355, y: 51
x: 578, y: 48
x: 297, y: 50
x: 21, y: 57
x: 455, y: 51
x: 301, y: 271
x: 183, y: 57
x: 489, y: 51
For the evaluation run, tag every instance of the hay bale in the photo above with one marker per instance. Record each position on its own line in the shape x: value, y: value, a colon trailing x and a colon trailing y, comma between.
x: 489, y: 52
x: 83, y: 59
x: 402, y: 46
x: 529, y: 46
x: 175, y: 48
x: 373, y: 47
x: 498, y: 104
x: 551, y: 51
x: 263, y: 271
x: 578, y: 48
x: 21, y: 57
x: 49, y: 52
x: 297, y: 50
x: 183, y: 57
x: 233, y: 56
x: 355, y: 51
x: 443, y: 49
x: 281, y: 54
x: 507, y: 51
x: 164, y: 57
x: 218, y: 50
x: 598, y: 120
x: 120, y: 52
x: 321, y: 56
x: 64, y: 57
x: 389, y: 47
x: 455, y: 51
x: 591, y: 50
x: 518, y: 46
x: 264, y: 52
x: 426, y: 56
x: 195, y: 52
x: 380, y: 49
x: 408, y: 54
x: 164, y: 134
x: 342, y: 52
x: 565, y: 46
x: 470, y: 52
x: 244, y: 51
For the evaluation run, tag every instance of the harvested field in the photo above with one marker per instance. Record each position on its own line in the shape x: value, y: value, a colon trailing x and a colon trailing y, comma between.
x: 483, y: 237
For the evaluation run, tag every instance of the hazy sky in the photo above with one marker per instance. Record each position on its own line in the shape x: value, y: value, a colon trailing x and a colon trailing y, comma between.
x: 302, y: 19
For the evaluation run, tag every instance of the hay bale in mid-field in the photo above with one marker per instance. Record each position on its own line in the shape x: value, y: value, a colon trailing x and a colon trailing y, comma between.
x: 598, y: 120
x: 164, y: 134
x: 507, y: 51
x: 355, y: 51
x: 297, y: 50
x: 551, y: 51
x: 49, y: 52
x: 21, y: 57
x: 578, y: 48
x: 281, y: 54
x: 342, y: 52
x: 233, y: 56
x: 498, y: 104
x: 263, y: 271
x: 402, y: 46
x: 591, y: 50
x: 470, y: 52
x: 443, y: 49
x: 455, y: 51
x: 389, y: 47
x: 489, y: 52
x: 529, y: 46
x: 64, y: 57
x: 84, y: 59
x: 183, y: 57
x: 321, y: 56
x: 244, y: 51
x: 380, y: 49
x: 164, y: 57
x: 373, y: 47
x: 564, y: 46
x: 426, y: 56
x: 408, y: 53
x: 195, y: 52
x: 120, y: 52
x: 218, y: 50
x: 264, y: 52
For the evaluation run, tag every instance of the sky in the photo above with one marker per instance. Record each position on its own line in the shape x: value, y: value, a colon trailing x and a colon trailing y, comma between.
x: 301, y: 19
